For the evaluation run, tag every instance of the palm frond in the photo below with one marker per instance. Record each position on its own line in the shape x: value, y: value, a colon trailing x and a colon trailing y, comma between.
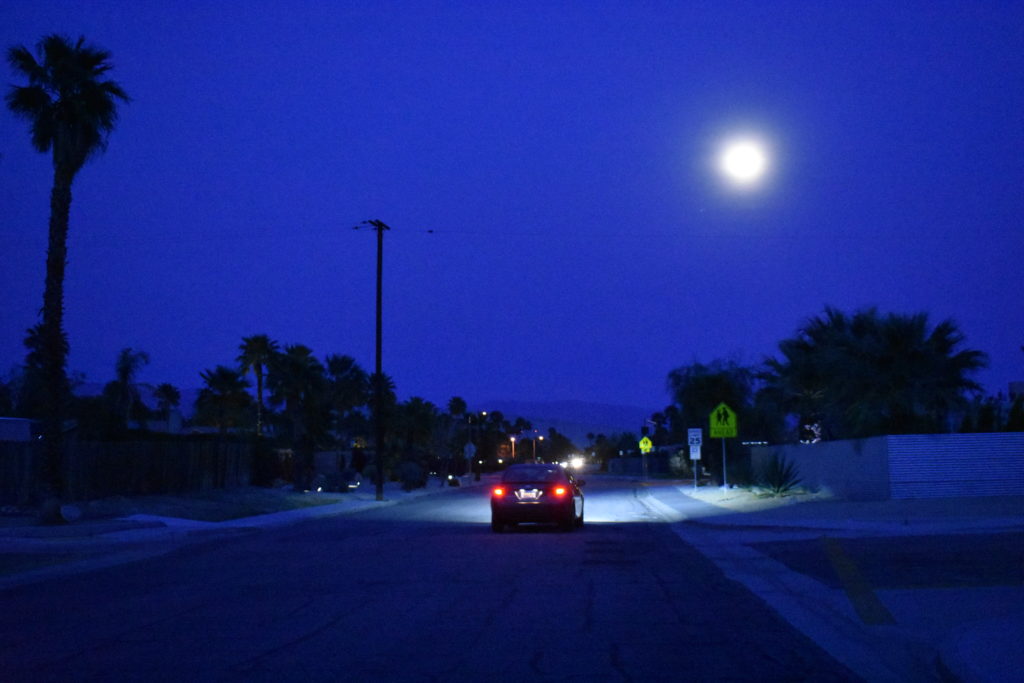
x: 22, y: 61
x: 69, y: 105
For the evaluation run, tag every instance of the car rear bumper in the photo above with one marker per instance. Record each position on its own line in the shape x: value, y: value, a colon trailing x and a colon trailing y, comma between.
x: 533, y: 512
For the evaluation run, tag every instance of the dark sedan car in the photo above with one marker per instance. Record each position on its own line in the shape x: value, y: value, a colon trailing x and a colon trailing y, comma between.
x: 543, y: 494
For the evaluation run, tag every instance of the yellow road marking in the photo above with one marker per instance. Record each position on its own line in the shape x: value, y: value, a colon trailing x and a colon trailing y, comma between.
x: 869, y: 608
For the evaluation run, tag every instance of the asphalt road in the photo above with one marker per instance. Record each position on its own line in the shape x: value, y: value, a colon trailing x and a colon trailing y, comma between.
x: 421, y: 591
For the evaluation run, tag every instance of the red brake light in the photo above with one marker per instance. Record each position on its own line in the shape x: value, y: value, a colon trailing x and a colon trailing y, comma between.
x: 561, y: 491
x: 498, y: 492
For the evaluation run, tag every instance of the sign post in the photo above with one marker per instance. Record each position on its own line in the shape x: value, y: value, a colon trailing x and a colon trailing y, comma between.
x: 694, y: 437
x: 645, y: 448
x: 723, y: 426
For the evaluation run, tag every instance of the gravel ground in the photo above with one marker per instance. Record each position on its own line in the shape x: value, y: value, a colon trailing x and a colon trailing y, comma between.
x: 750, y: 500
x: 212, y: 506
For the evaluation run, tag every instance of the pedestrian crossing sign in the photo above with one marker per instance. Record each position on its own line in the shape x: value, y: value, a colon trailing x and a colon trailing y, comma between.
x: 723, y: 422
x: 645, y: 445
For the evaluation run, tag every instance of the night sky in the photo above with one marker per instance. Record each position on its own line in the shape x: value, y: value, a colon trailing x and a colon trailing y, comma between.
x: 583, y: 244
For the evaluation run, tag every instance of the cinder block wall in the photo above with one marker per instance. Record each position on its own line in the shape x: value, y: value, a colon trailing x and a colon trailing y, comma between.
x: 946, y: 465
x: 908, y: 466
x: 854, y: 470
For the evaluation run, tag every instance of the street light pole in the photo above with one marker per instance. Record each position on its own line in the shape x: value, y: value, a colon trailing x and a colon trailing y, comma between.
x: 378, y: 390
x: 534, y: 439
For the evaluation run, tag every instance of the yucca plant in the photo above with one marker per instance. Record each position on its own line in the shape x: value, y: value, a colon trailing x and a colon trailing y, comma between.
x: 779, y: 476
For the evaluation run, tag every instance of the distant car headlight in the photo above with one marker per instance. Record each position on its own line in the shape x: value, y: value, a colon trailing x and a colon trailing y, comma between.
x: 577, y: 463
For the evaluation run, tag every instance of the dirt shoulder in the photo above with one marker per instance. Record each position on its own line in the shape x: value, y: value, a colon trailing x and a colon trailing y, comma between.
x: 750, y: 500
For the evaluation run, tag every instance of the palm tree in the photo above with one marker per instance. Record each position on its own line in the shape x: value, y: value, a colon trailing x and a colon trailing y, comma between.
x: 348, y: 388
x: 928, y: 373
x: 224, y: 399
x: 256, y: 354
x: 415, y: 423
x: 456, y: 406
x: 126, y: 394
x: 387, y: 389
x: 71, y: 108
x: 868, y: 374
x: 350, y: 385
x: 30, y: 387
x: 297, y: 380
x: 167, y: 397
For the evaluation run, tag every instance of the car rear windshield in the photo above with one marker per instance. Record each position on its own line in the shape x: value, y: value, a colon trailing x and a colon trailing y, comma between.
x: 531, y: 474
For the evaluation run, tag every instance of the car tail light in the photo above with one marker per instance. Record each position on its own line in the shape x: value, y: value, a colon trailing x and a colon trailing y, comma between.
x: 560, y: 491
x: 498, y: 492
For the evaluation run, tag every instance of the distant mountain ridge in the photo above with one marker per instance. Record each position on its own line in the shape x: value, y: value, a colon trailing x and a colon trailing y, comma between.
x: 575, y: 419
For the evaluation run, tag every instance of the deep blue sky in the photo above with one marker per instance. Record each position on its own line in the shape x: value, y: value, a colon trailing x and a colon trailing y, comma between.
x: 584, y: 245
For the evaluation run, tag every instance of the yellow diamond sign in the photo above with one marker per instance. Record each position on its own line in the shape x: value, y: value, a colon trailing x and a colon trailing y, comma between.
x: 723, y: 422
x: 645, y: 445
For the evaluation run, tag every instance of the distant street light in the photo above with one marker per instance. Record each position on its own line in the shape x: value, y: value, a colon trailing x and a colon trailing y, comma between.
x: 513, y: 439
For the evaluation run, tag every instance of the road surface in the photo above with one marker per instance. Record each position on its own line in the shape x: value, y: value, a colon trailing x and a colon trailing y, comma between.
x: 421, y: 591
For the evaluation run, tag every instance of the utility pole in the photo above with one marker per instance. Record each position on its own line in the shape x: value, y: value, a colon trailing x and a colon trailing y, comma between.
x: 378, y: 389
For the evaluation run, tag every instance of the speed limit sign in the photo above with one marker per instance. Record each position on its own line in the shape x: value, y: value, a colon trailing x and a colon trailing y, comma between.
x: 694, y: 437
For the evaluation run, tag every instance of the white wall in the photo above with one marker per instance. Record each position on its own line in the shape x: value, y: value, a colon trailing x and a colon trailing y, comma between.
x: 908, y: 466
x: 855, y: 470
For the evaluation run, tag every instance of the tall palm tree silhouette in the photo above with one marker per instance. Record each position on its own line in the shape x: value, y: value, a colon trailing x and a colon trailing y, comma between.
x: 71, y: 108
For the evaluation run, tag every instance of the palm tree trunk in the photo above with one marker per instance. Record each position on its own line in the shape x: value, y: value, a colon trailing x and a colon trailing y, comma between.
x: 259, y: 401
x: 53, y: 340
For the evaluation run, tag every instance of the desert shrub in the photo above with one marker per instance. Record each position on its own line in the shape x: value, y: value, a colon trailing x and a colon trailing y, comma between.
x: 412, y: 475
x: 779, y: 476
x: 370, y: 475
x: 679, y: 465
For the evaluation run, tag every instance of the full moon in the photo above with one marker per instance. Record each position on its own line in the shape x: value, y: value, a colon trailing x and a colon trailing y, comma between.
x: 743, y: 161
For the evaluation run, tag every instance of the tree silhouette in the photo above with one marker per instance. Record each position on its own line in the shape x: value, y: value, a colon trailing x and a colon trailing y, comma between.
x: 71, y: 108
x: 868, y: 374
x: 224, y: 399
x: 348, y: 389
x: 167, y: 398
x: 256, y: 352
x: 123, y: 391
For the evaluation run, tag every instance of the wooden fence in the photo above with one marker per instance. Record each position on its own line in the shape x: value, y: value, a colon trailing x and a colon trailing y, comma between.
x: 98, y: 470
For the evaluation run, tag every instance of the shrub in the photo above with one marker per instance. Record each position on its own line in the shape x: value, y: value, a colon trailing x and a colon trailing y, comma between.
x: 370, y: 475
x: 679, y: 465
x: 779, y: 477
x: 412, y: 476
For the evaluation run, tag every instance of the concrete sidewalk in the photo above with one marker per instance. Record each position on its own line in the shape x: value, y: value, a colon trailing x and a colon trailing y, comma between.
x: 974, y: 633
x: 739, y: 508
